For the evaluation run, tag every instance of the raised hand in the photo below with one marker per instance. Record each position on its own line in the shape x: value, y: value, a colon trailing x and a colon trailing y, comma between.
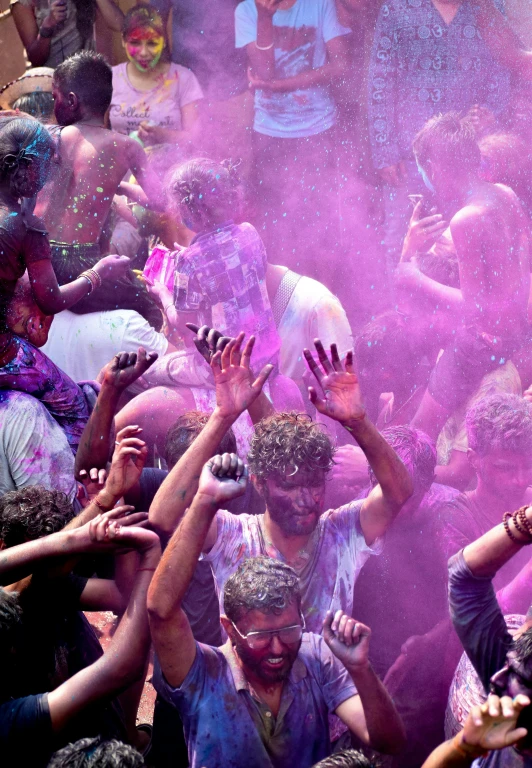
x: 113, y: 266
x: 208, y: 341
x: 126, y: 367
x: 423, y: 231
x: 235, y: 390
x: 267, y: 7
x: 92, y: 482
x: 223, y: 478
x: 343, y: 400
x: 114, y: 531
x: 127, y: 463
x: 493, y: 725
x: 348, y: 639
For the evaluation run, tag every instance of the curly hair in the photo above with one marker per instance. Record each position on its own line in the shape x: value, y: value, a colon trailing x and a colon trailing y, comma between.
x: 97, y: 753
x: 31, y: 513
x: 417, y: 452
x: 499, y: 422
x: 348, y: 758
x: 449, y: 139
x: 185, y: 430
x: 289, y: 442
x: 10, y: 620
x: 260, y: 584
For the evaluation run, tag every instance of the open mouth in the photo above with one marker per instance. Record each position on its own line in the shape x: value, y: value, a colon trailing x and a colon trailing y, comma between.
x: 276, y: 661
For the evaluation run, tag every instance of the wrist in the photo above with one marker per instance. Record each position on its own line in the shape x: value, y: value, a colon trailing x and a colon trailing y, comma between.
x: 150, y: 557
x: 469, y: 751
x: 354, y: 423
x: 105, y: 500
x: 46, y: 31
x: 225, y: 419
x: 360, y: 669
x: 205, y: 501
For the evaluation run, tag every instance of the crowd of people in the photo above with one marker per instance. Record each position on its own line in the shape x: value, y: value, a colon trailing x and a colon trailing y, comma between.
x: 266, y: 386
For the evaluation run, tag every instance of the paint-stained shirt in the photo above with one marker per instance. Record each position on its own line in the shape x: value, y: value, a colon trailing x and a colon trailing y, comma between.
x: 225, y: 724
x: 300, y: 35
x: 421, y: 67
x: 327, y: 568
x: 222, y: 277
x: 160, y: 106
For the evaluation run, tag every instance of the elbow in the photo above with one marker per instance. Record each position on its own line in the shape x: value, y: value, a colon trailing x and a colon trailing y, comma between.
x: 36, y: 59
x: 160, y: 608
x: 161, y: 527
x: 390, y: 743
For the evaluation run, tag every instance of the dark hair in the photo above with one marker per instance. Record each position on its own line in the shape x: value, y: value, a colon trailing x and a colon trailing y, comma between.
x: 522, y: 646
x: 97, y: 753
x: 182, y: 434
x: 450, y: 140
x: 348, y: 758
x: 143, y: 16
x: 506, y: 158
x: 210, y: 191
x: 22, y: 135
x: 499, y: 422
x: 31, y: 513
x: 260, y: 584
x: 440, y: 264
x: 39, y: 104
x: 10, y: 620
x: 417, y: 452
x: 288, y: 442
x: 89, y: 76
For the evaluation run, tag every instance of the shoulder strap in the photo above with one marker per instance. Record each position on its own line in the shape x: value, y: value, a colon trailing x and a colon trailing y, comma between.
x: 284, y: 294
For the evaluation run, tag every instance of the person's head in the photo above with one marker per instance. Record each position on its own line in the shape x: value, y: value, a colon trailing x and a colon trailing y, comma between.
x: 418, y: 453
x: 30, y: 513
x: 24, y: 318
x: 447, y: 153
x: 143, y: 36
x: 348, y: 758
x: 506, y: 160
x: 30, y: 93
x: 39, y: 104
x: 499, y: 435
x: 26, y: 153
x: 204, y: 193
x: 97, y: 753
x: 263, y: 597
x: 82, y: 87
x: 289, y: 458
x: 185, y: 430
x: 10, y: 624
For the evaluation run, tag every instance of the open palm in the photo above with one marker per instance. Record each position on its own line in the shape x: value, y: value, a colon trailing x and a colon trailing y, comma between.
x: 233, y: 379
x: 342, y: 399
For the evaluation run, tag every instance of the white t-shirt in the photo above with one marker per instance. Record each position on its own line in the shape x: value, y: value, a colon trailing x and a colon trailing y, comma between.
x: 162, y: 105
x: 33, y: 447
x: 312, y: 312
x: 327, y: 569
x: 300, y: 37
x: 81, y: 345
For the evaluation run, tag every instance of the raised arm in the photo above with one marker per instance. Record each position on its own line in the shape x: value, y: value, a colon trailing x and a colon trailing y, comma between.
x: 111, y: 13
x: 504, y: 44
x: 37, y: 41
x: 411, y: 279
x: 343, y: 402
x: 486, y: 555
x: 234, y: 394
x: 223, y: 478
x: 261, y: 52
x: 370, y: 715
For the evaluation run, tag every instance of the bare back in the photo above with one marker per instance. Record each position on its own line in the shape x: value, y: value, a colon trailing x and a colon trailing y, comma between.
x: 491, y: 238
x: 92, y: 162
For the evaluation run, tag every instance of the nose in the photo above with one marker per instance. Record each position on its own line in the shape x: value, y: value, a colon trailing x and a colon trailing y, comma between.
x: 305, y: 497
x: 500, y: 679
x: 276, y: 646
x: 144, y: 52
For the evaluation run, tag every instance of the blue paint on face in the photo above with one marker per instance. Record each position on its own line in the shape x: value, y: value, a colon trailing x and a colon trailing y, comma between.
x: 428, y: 183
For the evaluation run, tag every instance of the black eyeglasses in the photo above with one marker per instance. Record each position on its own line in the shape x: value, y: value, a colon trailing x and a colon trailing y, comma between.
x: 262, y: 639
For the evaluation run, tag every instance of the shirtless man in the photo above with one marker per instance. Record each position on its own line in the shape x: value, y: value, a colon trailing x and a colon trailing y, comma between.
x: 92, y: 161
x: 489, y: 232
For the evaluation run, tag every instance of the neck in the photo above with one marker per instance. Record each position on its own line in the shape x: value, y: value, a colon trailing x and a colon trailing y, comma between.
x: 97, y: 122
x: 288, y: 546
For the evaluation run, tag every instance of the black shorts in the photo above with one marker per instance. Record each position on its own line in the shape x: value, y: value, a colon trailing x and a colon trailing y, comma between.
x: 464, y: 363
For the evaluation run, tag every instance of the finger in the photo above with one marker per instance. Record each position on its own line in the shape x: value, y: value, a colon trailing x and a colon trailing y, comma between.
x: 335, y: 359
x: 203, y: 333
x: 336, y: 620
x: 342, y: 624
x: 436, y: 228
x: 117, y: 512
x: 226, y: 355
x: 241, y: 468
x: 216, y: 363
x: 215, y: 464
x: 507, y: 706
x: 323, y: 357
x: 476, y: 715
x: 134, y: 518
x: 132, y: 429
x: 236, y: 353
x: 132, y: 359
x: 313, y: 366
x: 125, y: 451
x: 212, y: 338
x: 102, y: 476
x: 129, y: 442
x: 416, y: 213
x: 494, y: 706
x: 246, y: 354
x: 260, y: 381
x: 427, y: 221
x: 327, y: 622
x: 93, y: 474
x: 316, y: 401
x: 350, y: 627
x: 512, y: 737
x: 233, y: 465
x: 226, y: 464
x: 192, y: 327
x: 84, y: 478
x: 521, y: 701
x: 349, y: 362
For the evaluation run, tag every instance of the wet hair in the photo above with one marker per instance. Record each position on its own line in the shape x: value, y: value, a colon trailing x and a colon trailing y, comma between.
x: 417, y: 452
x: 260, y: 584
x: 10, y: 621
x: 38, y: 104
x: 182, y: 434
x: 143, y: 16
x: 19, y: 135
x: 205, y: 190
x: 97, y: 753
x: 450, y: 140
x: 31, y: 513
x: 287, y: 443
x: 89, y: 76
x: 441, y: 266
x: 348, y: 758
x: 499, y: 422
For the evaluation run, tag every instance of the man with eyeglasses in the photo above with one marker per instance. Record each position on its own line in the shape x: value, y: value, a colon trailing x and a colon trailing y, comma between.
x: 262, y: 699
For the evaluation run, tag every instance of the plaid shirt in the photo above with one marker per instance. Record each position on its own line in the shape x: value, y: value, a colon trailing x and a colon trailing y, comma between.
x: 222, y: 277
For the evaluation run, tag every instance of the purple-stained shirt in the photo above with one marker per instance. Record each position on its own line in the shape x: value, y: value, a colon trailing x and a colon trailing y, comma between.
x: 225, y: 723
x: 327, y: 567
x: 222, y: 276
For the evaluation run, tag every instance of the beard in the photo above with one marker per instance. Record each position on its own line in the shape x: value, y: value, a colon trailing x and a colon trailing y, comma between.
x: 257, y: 665
x: 291, y: 521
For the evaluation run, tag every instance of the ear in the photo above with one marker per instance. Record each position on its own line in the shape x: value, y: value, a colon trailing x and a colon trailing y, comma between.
x: 228, y: 627
x: 73, y: 101
x: 259, y: 483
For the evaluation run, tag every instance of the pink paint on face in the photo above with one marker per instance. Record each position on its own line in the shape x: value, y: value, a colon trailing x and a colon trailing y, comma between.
x: 144, y: 48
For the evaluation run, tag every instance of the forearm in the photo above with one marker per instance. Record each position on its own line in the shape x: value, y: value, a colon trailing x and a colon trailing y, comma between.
x: 260, y: 408
x: 391, y: 474
x: 55, y: 299
x: 20, y: 561
x: 95, y: 444
x: 263, y: 61
x: 385, y: 728
x: 447, y: 756
x: 39, y: 51
x: 179, y: 488
x: 179, y: 560
x: 111, y: 13
x: 490, y: 552
x: 515, y: 596
x: 321, y: 76
x: 439, y: 295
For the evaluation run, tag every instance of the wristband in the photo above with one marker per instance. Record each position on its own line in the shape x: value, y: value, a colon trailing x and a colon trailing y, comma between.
x: 46, y: 32
x: 265, y: 48
x: 458, y: 744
